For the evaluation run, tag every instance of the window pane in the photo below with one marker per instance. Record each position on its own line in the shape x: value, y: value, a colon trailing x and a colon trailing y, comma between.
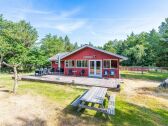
x: 66, y: 63
x: 113, y: 63
x: 78, y: 63
x: 82, y: 63
x: 85, y: 63
x: 106, y: 63
x: 71, y: 63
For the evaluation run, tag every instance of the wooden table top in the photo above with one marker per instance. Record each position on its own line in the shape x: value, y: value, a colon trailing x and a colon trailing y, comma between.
x: 95, y: 95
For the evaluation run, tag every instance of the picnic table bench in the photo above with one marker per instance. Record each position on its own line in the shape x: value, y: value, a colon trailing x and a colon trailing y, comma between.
x: 96, y: 95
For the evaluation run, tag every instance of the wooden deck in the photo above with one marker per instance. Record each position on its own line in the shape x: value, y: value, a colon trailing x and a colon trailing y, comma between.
x: 82, y: 81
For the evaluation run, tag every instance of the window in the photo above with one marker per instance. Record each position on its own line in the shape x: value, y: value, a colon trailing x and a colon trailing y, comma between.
x: 66, y: 63
x: 82, y: 63
x: 79, y: 63
x: 106, y: 63
x: 70, y: 63
x: 114, y: 64
x: 110, y: 64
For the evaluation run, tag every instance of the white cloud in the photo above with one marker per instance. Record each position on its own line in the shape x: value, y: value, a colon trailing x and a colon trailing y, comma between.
x: 63, y: 21
x: 65, y: 27
x: 66, y: 14
x: 69, y: 27
x: 33, y: 11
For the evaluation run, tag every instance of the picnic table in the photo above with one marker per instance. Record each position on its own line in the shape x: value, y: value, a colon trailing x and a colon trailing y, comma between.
x: 95, y: 95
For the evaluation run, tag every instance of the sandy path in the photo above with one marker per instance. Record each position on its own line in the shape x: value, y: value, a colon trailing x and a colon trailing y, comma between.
x: 131, y: 85
x: 140, y: 92
x: 24, y: 110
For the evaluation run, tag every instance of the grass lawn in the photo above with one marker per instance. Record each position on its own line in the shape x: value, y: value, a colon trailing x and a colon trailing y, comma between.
x: 156, y: 76
x: 128, y: 113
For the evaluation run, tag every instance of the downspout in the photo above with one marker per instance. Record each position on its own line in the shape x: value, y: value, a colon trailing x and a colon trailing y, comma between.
x: 59, y: 63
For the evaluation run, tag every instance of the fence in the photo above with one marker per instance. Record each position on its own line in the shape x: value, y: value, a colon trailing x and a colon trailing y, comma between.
x: 144, y: 69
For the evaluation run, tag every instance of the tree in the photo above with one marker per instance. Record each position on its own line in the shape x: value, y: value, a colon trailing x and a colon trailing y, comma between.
x: 51, y: 45
x: 90, y: 43
x: 19, y: 37
x: 76, y: 45
x: 162, y: 59
x: 35, y: 59
x: 163, y: 28
x: 163, y: 52
x: 68, y: 45
x: 4, y: 46
x: 109, y: 46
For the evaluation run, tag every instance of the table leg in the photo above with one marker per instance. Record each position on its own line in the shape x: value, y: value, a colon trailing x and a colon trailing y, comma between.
x: 92, y: 104
x: 101, y: 105
x: 107, y: 95
x: 79, y: 108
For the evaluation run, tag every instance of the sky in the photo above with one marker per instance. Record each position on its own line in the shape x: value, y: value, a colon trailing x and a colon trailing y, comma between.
x: 84, y: 21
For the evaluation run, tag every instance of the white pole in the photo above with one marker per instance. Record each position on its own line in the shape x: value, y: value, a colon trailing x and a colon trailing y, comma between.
x: 59, y: 64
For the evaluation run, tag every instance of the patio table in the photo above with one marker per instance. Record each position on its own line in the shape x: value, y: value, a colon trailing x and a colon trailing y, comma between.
x: 95, y: 95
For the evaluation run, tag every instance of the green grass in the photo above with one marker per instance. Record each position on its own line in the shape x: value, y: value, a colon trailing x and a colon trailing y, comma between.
x: 127, y: 114
x: 156, y: 76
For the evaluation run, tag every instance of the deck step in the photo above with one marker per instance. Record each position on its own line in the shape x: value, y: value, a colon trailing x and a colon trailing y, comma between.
x: 111, y: 105
x: 76, y: 102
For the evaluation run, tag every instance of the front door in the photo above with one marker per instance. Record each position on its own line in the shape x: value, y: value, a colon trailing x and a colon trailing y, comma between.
x: 95, y: 68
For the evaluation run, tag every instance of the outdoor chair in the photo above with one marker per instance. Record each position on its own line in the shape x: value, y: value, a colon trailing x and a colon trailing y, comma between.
x: 106, y: 72
x: 41, y: 71
x: 112, y: 72
x: 61, y: 70
x: 37, y: 72
x: 52, y: 71
x: 82, y: 72
x: 45, y: 71
x: 49, y: 71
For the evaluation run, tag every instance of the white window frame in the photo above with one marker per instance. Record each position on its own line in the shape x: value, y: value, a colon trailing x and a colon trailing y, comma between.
x: 117, y: 64
x: 110, y: 63
x: 68, y: 64
x: 81, y: 64
x: 65, y: 63
x: 106, y: 60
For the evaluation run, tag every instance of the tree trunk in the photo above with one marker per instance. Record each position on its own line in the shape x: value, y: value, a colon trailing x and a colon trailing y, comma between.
x: 1, y: 59
x: 15, y: 75
x: 15, y: 79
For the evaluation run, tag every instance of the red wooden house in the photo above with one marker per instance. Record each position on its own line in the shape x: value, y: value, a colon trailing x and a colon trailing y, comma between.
x: 88, y: 61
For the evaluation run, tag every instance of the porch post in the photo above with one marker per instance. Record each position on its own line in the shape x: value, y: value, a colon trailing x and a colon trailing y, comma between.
x: 59, y: 63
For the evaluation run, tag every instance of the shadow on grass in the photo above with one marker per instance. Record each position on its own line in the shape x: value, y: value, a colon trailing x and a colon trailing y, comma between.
x: 126, y: 114
x: 7, y: 91
x: 30, y: 122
